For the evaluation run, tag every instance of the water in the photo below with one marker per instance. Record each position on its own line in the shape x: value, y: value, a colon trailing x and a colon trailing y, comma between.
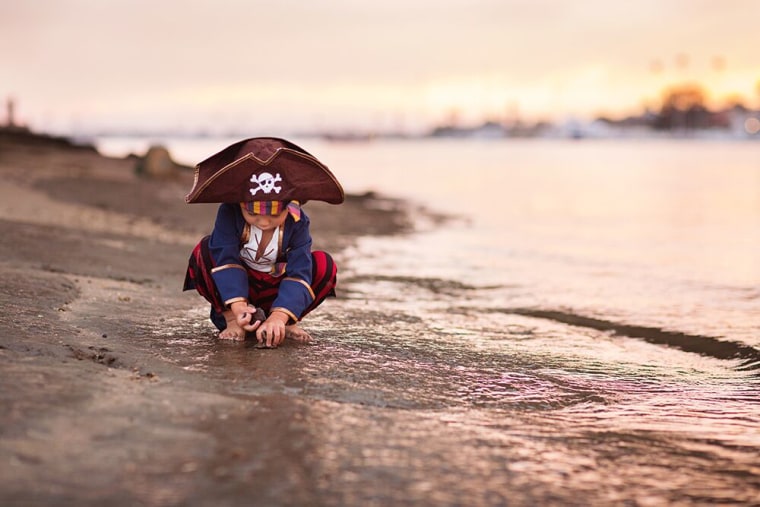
x: 653, y: 233
x: 584, y: 330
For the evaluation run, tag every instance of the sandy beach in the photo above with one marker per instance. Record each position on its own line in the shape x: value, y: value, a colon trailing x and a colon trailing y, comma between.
x: 92, y: 411
x: 456, y: 367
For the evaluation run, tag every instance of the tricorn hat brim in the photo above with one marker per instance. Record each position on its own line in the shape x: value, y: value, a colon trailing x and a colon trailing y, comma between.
x: 265, y: 169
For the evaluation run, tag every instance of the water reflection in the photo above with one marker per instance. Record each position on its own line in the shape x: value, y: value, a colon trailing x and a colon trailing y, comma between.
x: 594, y: 342
x: 443, y: 404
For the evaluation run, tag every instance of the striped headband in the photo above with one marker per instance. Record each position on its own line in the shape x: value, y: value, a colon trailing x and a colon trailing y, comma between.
x: 274, y: 208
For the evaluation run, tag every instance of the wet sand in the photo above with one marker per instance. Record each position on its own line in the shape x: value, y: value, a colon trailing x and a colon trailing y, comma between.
x: 416, y: 391
x: 95, y: 407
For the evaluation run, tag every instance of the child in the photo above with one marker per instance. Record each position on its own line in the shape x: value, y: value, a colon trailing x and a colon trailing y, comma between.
x: 259, y: 252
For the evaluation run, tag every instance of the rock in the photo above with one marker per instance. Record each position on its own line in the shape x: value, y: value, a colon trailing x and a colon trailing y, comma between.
x: 157, y: 164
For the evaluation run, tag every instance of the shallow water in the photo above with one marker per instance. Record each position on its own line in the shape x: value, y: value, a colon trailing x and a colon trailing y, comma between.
x: 653, y: 233
x: 440, y: 406
x: 585, y: 331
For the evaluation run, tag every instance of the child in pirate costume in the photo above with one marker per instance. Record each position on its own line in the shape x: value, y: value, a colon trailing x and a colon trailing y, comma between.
x: 258, y: 256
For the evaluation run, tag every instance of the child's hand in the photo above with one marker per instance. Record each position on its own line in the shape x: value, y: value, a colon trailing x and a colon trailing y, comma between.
x: 272, y: 331
x: 245, y: 318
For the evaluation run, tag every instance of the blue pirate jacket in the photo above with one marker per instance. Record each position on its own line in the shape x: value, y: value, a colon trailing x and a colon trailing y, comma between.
x: 230, y: 276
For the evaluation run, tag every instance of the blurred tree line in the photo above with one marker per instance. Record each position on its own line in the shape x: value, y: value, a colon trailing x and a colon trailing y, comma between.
x: 684, y: 108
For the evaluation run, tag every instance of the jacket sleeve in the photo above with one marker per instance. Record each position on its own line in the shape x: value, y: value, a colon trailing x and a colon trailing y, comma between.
x: 229, y: 274
x: 295, y: 293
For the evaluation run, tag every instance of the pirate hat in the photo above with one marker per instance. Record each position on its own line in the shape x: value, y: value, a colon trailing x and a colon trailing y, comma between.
x: 264, y: 169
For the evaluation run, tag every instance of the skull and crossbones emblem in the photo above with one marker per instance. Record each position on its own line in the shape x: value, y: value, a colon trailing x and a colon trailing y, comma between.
x: 266, y: 183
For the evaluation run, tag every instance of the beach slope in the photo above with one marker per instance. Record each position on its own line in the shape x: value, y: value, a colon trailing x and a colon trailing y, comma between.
x: 96, y: 407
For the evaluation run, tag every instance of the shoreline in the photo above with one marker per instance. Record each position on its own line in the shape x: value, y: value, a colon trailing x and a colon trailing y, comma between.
x: 416, y: 390
x: 93, y: 259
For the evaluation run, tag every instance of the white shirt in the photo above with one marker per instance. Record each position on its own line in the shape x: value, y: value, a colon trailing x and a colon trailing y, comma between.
x: 266, y: 262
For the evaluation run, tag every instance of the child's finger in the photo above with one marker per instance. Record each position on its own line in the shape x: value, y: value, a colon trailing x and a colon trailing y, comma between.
x: 280, y: 337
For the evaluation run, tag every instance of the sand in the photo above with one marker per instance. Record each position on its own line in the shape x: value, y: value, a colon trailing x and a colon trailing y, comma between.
x: 94, y: 410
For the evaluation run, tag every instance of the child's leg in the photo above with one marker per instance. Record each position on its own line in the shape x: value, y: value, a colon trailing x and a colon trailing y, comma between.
x: 263, y: 290
x: 324, y: 278
x: 198, y: 277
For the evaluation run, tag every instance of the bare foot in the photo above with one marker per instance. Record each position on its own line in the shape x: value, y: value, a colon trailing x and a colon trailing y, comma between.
x: 296, y: 333
x: 232, y: 332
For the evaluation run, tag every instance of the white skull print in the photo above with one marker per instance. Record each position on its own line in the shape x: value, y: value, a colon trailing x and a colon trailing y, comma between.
x: 266, y: 183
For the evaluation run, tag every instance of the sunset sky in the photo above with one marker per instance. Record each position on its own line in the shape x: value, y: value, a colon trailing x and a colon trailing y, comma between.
x: 358, y: 64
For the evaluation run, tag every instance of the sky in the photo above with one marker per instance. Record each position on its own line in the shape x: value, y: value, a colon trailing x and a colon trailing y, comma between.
x: 219, y: 65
